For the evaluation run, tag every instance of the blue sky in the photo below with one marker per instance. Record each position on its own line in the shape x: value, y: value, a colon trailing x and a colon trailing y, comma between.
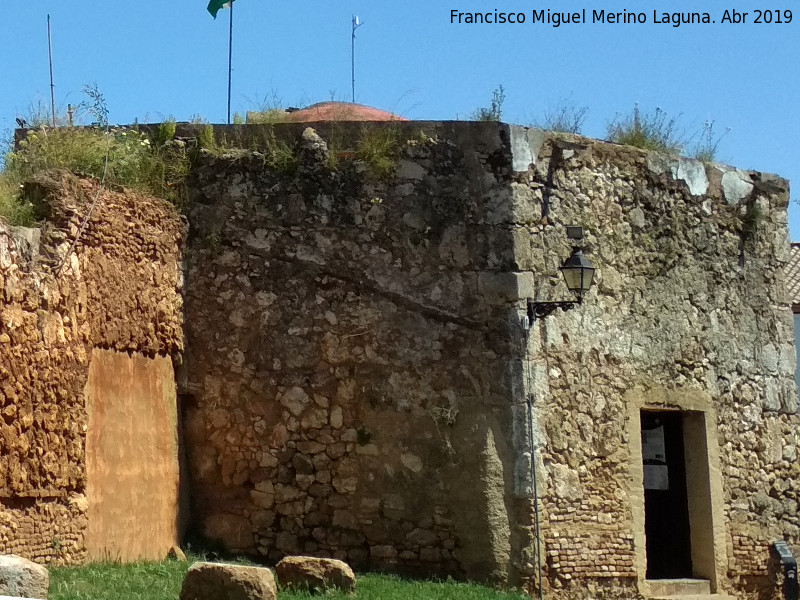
x: 156, y: 59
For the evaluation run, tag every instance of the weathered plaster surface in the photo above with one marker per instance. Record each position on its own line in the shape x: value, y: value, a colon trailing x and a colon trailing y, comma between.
x: 132, y: 472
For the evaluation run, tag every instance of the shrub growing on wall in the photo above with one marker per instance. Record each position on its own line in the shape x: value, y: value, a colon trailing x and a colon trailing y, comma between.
x: 649, y: 131
x: 122, y: 156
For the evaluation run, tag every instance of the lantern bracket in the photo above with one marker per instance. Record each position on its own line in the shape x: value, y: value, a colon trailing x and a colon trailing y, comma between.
x: 539, y: 310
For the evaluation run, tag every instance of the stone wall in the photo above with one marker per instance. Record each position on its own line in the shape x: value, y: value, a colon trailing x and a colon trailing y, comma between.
x: 358, y: 361
x: 689, y: 312
x: 118, y: 290
x: 347, y: 357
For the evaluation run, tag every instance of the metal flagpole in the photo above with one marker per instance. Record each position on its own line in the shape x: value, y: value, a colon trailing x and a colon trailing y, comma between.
x: 230, y: 62
x: 356, y: 24
x: 50, y: 58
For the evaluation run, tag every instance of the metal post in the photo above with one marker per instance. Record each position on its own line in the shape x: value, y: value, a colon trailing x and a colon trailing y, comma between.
x: 355, y: 25
x: 230, y: 62
x: 50, y: 58
x: 353, y: 59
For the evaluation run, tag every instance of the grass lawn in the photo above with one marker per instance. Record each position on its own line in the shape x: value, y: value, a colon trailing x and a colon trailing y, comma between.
x: 162, y: 581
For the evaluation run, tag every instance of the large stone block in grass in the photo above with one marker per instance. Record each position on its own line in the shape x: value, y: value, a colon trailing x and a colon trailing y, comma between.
x: 312, y: 573
x: 216, y: 581
x: 20, y: 577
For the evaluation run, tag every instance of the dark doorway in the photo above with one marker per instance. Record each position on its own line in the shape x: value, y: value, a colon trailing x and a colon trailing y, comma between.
x: 666, y: 508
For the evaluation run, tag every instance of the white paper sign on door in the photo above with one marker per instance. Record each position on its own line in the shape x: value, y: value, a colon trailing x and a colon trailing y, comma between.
x: 653, y: 444
x: 656, y: 477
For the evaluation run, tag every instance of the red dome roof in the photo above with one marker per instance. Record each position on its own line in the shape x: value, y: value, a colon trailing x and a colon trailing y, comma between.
x: 335, y: 111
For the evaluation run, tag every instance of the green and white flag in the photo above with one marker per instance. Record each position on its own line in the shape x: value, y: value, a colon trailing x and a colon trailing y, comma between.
x: 215, y: 5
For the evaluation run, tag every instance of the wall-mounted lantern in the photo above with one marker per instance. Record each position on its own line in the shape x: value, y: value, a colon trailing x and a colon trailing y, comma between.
x: 578, y: 274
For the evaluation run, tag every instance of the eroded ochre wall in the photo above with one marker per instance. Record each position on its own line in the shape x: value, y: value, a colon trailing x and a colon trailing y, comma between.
x: 118, y: 290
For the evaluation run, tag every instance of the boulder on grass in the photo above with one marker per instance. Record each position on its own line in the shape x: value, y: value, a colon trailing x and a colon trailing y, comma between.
x: 216, y: 581
x: 21, y: 577
x: 307, y: 572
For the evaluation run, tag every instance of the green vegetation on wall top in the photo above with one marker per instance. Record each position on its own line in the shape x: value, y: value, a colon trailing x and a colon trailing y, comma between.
x: 650, y: 131
x: 152, y: 161
x: 120, y: 156
x: 494, y: 111
x: 564, y: 117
